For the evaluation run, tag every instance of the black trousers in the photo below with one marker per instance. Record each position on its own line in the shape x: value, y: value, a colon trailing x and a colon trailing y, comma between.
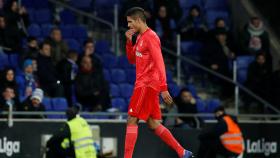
x: 211, y: 148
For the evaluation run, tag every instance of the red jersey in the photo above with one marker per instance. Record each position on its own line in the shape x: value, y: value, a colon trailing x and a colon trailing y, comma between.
x: 146, y: 54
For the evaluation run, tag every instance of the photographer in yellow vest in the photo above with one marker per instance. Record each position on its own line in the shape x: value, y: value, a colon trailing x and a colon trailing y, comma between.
x: 74, y: 140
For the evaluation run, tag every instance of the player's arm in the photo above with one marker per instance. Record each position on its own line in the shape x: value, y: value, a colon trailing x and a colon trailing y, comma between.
x: 155, y: 49
x: 130, y: 52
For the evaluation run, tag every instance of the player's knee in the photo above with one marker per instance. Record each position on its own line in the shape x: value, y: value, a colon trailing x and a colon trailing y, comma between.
x: 132, y: 120
x: 153, y: 124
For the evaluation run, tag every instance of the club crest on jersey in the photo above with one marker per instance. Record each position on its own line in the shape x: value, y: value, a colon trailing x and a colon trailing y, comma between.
x: 138, y: 54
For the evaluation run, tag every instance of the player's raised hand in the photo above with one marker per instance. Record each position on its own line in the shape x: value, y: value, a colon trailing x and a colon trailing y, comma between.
x: 129, y: 34
x: 166, y: 97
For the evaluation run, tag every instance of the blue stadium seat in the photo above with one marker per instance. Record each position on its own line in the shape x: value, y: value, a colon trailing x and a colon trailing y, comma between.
x: 119, y: 103
x: 191, y: 48
x: 242, y: 75
x: 192, y: 89
x: 106, y: 74
x: 67, y: 17
x: 34, y: 30
x: 200, y: 106
x: 43, y: 16
x: 105, y: 9
x: 14, y: 61
x: 244, y: 61
x: 41, y: 4
x: 79, y: 32
x: 189, y: 3
x: 126, y: 90
x: 4, y: 61
x: 216, y: 5
x: 174, y: 89
x: 212, y: 104
x: 28, y: 3
x: 118, y: 76
x: 123, y: 62
x: 102, y: 46
x: 47, y: 104
x: 59, y: 104
x: 131, y: 75
x: 169, y: 76
x: 114, y: 90
x: 46, y: 29
x: 73, y: 44
x: 82, y: 4
x: 211, y: 17
x: 109, y: 61
x: 66, y: 31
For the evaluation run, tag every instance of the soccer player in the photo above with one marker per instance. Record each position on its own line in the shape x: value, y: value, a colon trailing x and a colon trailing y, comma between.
x: 150, y: 82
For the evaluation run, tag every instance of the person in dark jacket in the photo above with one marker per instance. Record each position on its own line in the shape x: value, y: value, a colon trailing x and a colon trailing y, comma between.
x: 173, y: 8
x: 89, y: 50
x: 186, y: 103
x: 67, y: 70
x: 193, y: 27
x: 34, y: 103
x: 217, y: 56
x: 59, y: 46
x: 8, y: 98
x: 47, y: 73
x: 8, y: 80
x: 254, y: 37
x: 210, y: 139
x: 91, y: 87
x: 10, y: 37
x: 32, y: 50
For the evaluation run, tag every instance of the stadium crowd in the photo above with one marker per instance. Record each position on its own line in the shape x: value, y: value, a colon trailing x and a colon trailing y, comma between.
x: 48, y: 67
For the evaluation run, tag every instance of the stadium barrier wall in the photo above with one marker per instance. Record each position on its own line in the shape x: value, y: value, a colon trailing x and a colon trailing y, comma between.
x: 24, y: 139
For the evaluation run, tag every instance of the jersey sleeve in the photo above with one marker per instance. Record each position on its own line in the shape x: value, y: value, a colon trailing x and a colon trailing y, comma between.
x: 130, y: 53
x: 154, y: 46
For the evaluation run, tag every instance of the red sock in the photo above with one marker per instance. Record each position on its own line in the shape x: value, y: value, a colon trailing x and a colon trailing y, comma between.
x: 166, y: 136
x: 130, y: 140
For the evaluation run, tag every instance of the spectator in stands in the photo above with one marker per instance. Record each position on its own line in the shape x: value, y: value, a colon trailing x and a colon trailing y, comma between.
x: 32, y: 50
x: 34, y: 103
x: 258, y: 76
x: 8, y: 80
x: 186, y: 103
x: 254, y: 37
x: 1, y: 5
x: 8, y: 98
x: 91, y: 87
x: 193, y: 27
x: 17, y: 16
x: 27, y: 81
x: 172, y: 6
x: 59, y: 46
x: 165, y: 26
x: 145, y: 4
x: 89, y: 50
x: 218, y: 52
x: 10, y: 38
x: 67, y: 70
x: 47, y: 72
x: 223, y: 139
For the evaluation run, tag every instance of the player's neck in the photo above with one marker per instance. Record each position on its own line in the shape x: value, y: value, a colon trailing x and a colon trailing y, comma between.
x: 143, y: 29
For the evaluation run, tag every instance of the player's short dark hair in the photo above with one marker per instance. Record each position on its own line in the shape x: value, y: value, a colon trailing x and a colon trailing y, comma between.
x: 136, y: 12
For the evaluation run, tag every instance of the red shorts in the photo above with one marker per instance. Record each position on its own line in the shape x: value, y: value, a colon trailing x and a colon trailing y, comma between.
x: 144, y: 104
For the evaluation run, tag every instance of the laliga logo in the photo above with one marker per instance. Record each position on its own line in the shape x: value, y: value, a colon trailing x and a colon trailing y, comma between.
x: 9, y: 147
x: 261, y: 146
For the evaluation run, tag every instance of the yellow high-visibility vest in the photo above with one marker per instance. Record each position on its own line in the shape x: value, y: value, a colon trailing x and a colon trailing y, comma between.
x: 81, y: 137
